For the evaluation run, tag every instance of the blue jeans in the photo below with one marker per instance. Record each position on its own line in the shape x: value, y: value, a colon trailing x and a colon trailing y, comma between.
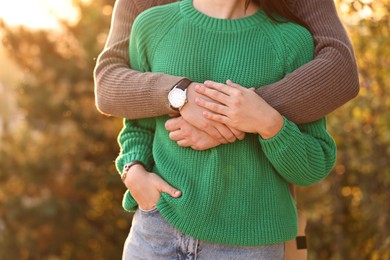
x: 152, y: 237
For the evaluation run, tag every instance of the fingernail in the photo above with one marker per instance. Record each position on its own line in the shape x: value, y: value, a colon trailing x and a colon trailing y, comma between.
x: 177, y: 193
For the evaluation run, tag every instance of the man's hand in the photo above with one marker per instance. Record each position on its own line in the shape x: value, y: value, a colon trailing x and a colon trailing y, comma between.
x: 187, y: 135
x: 193, y: 114
x: 146, y: 187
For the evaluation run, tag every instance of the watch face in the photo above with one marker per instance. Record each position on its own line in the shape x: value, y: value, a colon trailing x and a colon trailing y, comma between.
x: 177, y: 97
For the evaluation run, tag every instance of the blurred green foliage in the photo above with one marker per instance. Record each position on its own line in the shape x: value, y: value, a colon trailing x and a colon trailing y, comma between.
x: 349, y: 213
x: 60, y: 196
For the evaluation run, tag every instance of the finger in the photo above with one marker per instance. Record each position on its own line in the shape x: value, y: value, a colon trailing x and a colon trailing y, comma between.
x: 227, y: 90
x: 218, y: 136
x: 232, y: 84
x: 238, y: 134
x: 173, y: 124
x: 163, y: 186
x: 227, y: 134
x: 216, y: 117
x: 183, y: 143
x: 212, y: 94
x: 176, y: 135
x: 214, y: 107
x: 213, y: 132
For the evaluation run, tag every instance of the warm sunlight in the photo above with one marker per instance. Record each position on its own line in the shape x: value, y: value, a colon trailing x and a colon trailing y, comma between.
x: 37, y: 13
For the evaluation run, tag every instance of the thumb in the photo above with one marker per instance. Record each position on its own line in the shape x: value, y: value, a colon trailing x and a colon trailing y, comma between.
x: 168, y: 189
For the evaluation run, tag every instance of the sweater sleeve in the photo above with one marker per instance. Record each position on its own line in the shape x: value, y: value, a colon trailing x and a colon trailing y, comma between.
x: 302, y: 155
x: 136, y: 141
x: 119, y: 90
x: 324, y: 84
x: 137, y: 135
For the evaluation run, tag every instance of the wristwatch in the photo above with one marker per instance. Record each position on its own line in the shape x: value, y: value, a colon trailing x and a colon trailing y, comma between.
x: 177, y: 96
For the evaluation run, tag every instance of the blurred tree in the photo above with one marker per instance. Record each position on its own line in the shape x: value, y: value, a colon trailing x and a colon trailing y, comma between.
x: 350, y: 211
x: 60, y: 195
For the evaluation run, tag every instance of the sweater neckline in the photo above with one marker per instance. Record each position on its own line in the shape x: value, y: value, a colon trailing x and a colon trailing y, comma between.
x: 218, y: 24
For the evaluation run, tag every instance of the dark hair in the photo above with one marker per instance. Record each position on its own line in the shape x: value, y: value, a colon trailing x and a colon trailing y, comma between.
x: 279, y: 7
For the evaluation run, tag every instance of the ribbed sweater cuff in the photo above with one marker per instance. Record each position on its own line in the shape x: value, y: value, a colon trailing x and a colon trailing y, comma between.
x: 281, y: 140
x: 128, y: 202
x: 146, y: 159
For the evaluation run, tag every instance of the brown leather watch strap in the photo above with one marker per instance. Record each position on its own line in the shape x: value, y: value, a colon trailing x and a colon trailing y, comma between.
x: 182, y: 84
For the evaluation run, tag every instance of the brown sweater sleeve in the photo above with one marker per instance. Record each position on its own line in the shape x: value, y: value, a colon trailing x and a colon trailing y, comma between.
x: 119, y: 90
x: 325, y: 83
x: 307, y: 94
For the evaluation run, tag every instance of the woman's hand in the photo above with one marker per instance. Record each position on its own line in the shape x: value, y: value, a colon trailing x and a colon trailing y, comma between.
x: 146, y: 187
x: 239, y: 108
x: 186, y: 135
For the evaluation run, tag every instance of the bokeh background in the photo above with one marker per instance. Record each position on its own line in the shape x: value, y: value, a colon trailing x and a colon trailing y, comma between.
x: 60, y: 196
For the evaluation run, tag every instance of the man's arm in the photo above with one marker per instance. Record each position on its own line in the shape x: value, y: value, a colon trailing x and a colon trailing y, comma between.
x: 119, y: 90
x: 312, y: 91
x: 123, y: 92
x: 327, y: 82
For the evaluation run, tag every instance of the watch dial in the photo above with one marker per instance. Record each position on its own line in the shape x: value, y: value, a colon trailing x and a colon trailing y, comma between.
x: 177, y: 97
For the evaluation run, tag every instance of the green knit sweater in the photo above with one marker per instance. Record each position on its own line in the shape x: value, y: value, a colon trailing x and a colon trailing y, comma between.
x: 236, y: 193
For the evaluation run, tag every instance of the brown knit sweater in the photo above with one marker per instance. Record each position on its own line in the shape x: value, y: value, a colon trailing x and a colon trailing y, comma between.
x: 305, y: 95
